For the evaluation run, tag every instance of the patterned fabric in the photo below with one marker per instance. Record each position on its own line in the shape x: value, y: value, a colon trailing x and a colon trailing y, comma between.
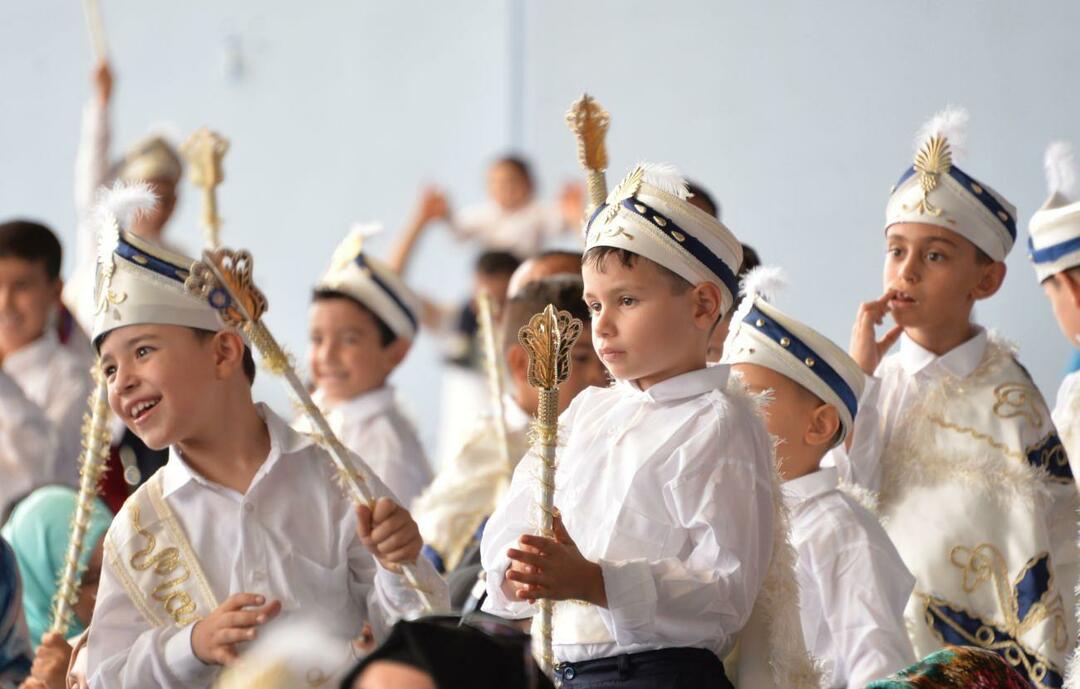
x: 955, y: 666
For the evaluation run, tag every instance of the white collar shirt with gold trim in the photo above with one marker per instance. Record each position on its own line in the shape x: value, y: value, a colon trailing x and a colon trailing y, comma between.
x: 1067, y: 418
x: 670, y: 491
x: 291, y: 537
x: 979, y: 497
x: 853, y: 586
x: 43, y: 391
x: 374, y: 426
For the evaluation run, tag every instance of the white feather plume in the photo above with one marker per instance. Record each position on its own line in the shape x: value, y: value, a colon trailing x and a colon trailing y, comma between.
x: 365, y: 230
x: 952, y: 123
x: 666, y: 177
x: 763, y: 282
x: 1060, y: 164
x: 125, y: 201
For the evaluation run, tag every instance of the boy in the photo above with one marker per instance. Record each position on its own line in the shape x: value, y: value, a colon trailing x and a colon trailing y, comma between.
x: 43, y: 385
x: 451, y: 513
x: 1054, y: 249
x: 664, y: 484
x: 853, y: 584
x: 363, y: 321
x: 974, y: 488
x: 243, y: 523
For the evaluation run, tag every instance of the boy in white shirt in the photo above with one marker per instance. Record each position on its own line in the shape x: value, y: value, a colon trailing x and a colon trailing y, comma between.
x: 853, y: 585
x: 363, y: 321
x: 43, y: 385
x: 664, y: 485
x: 244, y: 523
x: 974, y: 486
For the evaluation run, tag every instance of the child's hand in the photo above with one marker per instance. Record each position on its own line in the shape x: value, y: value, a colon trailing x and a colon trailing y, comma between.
x: 103, y: 81
x: 51, y: 661
x: 432, y: 206
x: 866, y: 349
x: 389, y: 533
x: 554, y: 569
x: 215, y: 637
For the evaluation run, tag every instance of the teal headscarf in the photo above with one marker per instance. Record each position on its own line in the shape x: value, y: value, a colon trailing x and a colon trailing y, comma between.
x: 38, y: 531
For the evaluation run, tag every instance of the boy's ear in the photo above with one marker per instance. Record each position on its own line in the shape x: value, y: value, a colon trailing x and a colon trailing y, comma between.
x: 517, y: 364
x: 993, y: 275
x: 823, y: 427
x: 57, y: 288
x: 1066, y: 280
x: 708, y: 300
x: 228, y: 349
x: 397, y: 350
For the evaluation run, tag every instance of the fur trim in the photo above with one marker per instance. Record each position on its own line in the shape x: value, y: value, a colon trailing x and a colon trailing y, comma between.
x: 665, y: 177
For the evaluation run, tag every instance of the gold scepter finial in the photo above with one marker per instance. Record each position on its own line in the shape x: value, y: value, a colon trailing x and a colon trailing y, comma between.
x: 589, y: 122
x: 223, y: 278
x: 204, y: 151
x: 96, y: 441
x: 548, y: 339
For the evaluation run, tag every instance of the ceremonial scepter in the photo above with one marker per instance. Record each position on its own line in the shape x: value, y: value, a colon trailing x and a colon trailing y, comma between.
x: 486, y: 320
x: 548, y: 339
x: 223, y: 278
x: 589, y: 122
x: 96, y: 27
x: 96, y: 440
x: 204, y: 151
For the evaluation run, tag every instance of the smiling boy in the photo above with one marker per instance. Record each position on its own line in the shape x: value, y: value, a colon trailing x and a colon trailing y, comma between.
x: 243, y: 524
x: 664, y: 483
x: 975, y: 489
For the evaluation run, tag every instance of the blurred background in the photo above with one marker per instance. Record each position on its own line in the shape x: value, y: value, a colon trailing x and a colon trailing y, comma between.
x: 798, y: 117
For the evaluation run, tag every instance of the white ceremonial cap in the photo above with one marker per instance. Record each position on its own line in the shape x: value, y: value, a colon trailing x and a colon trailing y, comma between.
x: 648, y: 214
x: 934, y: 191
x: 764, y: 335
x: 1054, y: 241
x: 371, y: 282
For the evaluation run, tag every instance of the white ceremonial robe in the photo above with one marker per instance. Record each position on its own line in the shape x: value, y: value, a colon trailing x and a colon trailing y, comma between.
x: 670, y: 491
x: 44, y: 388
x: 1067, y: 418
x: 291, y: 537
x: 523, y: 232
x: 978, y: 496
x: 853, y: 586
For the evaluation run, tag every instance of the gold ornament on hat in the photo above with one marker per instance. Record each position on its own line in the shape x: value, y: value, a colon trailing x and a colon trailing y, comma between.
x: 547, y: 339
x: 204, y: 151
x: 589, y: 122
x: 223, y: 278
x: 932, y: 160
x: 625, y: 190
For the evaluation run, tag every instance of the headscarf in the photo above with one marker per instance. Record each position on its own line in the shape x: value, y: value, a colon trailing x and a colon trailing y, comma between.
x: 38, y: 530
x: 15, y: 655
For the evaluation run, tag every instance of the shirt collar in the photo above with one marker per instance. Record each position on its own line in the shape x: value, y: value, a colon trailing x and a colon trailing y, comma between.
x: 34, y: 354
x: 283, y: 441
x: 804, y: 488
x: 682, y: 386
x: 960, y: 361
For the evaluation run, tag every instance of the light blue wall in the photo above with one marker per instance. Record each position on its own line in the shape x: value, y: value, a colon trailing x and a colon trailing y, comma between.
x: 798, y: 116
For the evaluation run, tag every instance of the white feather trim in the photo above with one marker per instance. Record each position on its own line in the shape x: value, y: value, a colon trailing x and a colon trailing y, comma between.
x: 1060, y: 164
x: 365, y: 229
x: 665, y: 177
x: 125, y: 201
x: 952, y: 123
x: 763, y: 282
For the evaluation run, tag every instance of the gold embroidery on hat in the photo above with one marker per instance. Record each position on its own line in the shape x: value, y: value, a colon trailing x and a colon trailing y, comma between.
x: 347, y: 251
x: 659, y: 221
x: 679, y: 236
x: 810, y: 361
x: 785, y: 342
x: 625, y: 189
x: 1003, y: 215
x: 140, y: 259
x: 760, y: 322
x: 976, y: 188
x: 639, y: 208
x: 108, y: 240
x: 932, y: 160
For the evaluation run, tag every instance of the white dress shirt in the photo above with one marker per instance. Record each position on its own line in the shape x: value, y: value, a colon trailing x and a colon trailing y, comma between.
x: 291, y: 537
x: 373, y: 426
x: 523, y: 232
x: 853, y: 586
x: 669, y: 490
x: 44, y: 388
x: 1067, y: 418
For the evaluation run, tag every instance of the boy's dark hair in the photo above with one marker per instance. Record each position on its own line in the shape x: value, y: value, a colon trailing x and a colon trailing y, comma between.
x: 31, y: 241
x: 697, y: 191
x: 519, y: 164
x: 497, y: 263
x: 248, y: 362
x: 596, y: 256
x: 386, y: 335
x: 564, y: 292
x: 558, y: 253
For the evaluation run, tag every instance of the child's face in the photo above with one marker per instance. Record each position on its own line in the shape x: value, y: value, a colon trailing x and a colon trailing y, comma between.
x: 641, y: 329
x: 788, y: 413
x: 159, y: 378
x: 934, y: 276
x: 346, y: 355
x: 1063, y: 291
x: 508, y: 187
x: 27, y: 297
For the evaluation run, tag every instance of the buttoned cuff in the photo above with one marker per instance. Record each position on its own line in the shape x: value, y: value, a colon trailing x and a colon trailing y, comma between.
x: 500, y: 594
x: 181, y: 660
x: 630, y: 615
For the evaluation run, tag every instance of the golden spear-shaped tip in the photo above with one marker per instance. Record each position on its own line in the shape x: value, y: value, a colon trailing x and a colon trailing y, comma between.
x: 589, y: 122
x: 204, y: 151
x: 548, y: 338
